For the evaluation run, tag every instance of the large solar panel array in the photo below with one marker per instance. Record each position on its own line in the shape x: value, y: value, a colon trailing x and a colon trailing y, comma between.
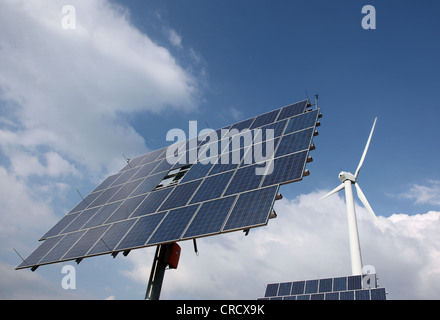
x: 154, y: 200
x: 341, y: 288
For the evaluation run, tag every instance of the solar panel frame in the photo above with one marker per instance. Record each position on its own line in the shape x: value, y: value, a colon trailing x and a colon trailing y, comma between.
x: 119, y: 204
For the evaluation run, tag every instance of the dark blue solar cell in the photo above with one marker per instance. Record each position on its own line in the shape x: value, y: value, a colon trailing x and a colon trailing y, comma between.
x: 125, y: 191
x: 111, y: 238
x: 152, y: 202
x: 340, y: 284
x: 303, y: 297
x: 252, y: 209
x: 325, y: 285
x: 228, y: 161
x: 292, y: 110
x: 298, y: 287
x: 245, y: 178
x: 145, y: 170
x: 261, y: 153
x: 332, y: 296
x: 63, y: 223
x: 148, y: 184
x: 210, y: 217
x: 139, y: 234
x: 125, y: 176
x: 264, y: 119
x: 271, y: 290
x: 287, y: 169
x: 180, y: 195
x: 103, y: 214
x: 40, y: 252
x: 86, y: 242
x: 354, y: 282
x: 294, y: 142
x: 165, y: 165
x: 62, y: 247
x: 317, y: 296
x: 346, y: 295
x: 86, y: 202
x: 362, y: 294
x: 173, y: 225
x: 197, y: 171
x: 285, y: 289
x: 242, y: 125
x: 152, y: 156
x: 378, y: 294
x: 212, y: 187
x: 266, y: 133
x: 312, y: 286
x: 126, y: 209
x: 107, y: 182
x: 81, y: 220
x: 301, y: 122
x: 105, y: 196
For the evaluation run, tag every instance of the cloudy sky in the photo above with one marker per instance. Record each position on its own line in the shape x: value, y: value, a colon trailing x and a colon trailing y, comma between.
x: 74, y: 102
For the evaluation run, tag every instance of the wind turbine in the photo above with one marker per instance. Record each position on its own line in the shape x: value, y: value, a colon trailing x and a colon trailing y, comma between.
x: 348, y: 179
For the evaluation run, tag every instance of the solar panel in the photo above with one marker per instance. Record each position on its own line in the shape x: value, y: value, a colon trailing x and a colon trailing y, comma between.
x: 221, y: 182
x: 341, y: 288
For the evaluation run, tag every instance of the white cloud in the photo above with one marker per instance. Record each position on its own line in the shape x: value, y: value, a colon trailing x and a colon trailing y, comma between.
x: 306, y: 241
x: 65, y: 100
x: 174, y: 38
x: 67, y: 88
x: 22, y: 216
x: 422, y: 194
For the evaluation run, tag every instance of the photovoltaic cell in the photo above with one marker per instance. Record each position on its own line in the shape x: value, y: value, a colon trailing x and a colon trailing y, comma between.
x: 137, y: 207
x: 244, y: 179
x: 62, y: 224
x: 139, y: 234
x: 148, y: 184
x: 152, y: 202
x: 252, y: 208
x: 272, y: 290
x: 80, y: 220
x: 212, y: 187
x: 83, y: 245
x: 286, y: 169
x: 126, y: 209
x: 40, y: 252
x: 60, y: 249
x: 292, y: 110
x: 210, y: 217
x: 180, y: 195
x: 285, y: 289
x: 305, y: 121
x: 294, y: 142
x: 107, y: 243
x: 325, y: 289
x: 173, y: 225
x: 103, y: 214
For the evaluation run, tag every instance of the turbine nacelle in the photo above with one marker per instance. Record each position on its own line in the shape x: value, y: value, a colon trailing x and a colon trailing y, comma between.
x: 343, y: 176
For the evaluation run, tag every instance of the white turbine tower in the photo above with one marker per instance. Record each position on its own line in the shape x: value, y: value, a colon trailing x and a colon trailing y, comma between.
x: 348, y: 179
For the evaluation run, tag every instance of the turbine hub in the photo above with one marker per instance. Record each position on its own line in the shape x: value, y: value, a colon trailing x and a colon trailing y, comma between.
x: 343, y: 176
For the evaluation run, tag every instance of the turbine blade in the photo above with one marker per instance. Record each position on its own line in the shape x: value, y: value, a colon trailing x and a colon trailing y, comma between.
x: 338, y: 188
x: 367, y: 206
x: 365, y: 150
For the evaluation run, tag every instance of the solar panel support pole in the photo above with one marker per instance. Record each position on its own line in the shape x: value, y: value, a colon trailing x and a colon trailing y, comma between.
x: 157, y: 272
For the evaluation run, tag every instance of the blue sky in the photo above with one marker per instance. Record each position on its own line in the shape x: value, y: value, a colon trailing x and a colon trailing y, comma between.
x: 72, y: 102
